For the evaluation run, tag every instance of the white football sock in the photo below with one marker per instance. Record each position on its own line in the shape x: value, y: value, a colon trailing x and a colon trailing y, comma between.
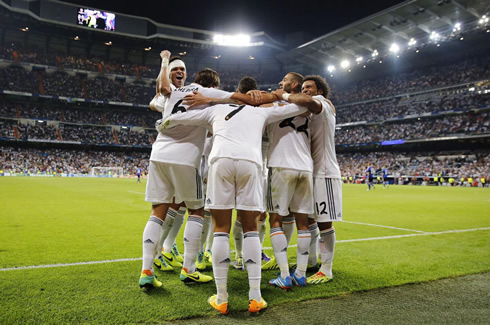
x: 252, y: 261
x: 238, y: 238
x: 288, y: 227
x: 304, y: 239
x: 174, y: 231
x: 280, y: 246
x: 210, y: 235
x: 315, y: 234
x: 262, y: 229
x: 327, y: 247
x: 204, y: 235
x: 221, y: 263
x: 192, y: 240
x: 151, y: 236
x: 169, y: 221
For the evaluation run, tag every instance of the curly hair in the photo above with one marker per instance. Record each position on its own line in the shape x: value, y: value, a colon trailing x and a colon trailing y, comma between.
x: 321, y: 84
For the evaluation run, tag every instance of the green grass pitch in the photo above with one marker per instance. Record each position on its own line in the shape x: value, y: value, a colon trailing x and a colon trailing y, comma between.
x: 390, y: 237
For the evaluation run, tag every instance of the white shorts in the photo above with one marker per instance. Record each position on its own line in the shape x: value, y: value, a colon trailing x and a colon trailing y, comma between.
x: 234, y: 183
x: 328, y: 199
x: 166, y: 181
x: 289, y: 190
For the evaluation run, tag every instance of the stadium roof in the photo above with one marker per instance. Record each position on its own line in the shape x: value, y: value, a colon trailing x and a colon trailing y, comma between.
x: 412, y: 20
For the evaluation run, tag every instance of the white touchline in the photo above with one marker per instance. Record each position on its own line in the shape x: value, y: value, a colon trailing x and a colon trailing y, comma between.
x: 69, y: 264
x: 135, y: 192
x: 265, y: 248
x: 381, y: 226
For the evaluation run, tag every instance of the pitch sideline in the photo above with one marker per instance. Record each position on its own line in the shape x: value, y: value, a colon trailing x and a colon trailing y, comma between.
x: 265, y: 248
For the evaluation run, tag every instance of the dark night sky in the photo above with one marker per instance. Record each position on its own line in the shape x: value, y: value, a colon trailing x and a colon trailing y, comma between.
x: 276, y: 18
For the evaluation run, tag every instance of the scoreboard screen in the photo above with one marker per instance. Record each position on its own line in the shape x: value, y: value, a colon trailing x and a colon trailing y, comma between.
x: 96, y: 19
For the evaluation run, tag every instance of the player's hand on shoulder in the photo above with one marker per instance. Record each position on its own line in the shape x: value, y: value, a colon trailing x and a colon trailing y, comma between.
x: 256, y: 95
x: 196, y: 99
x: 278, y: 93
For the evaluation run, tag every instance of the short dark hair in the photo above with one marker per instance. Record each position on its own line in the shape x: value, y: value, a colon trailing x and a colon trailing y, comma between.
x: 246, y: 84
x: 175, y: 57
x: 299, y: 79
x: 320, y: 82
x: 207, y: 78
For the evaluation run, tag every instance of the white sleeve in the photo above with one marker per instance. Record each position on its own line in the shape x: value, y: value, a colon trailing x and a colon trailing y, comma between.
x: 277, y: 113
x: 216, y: 93
x: 196, y: 117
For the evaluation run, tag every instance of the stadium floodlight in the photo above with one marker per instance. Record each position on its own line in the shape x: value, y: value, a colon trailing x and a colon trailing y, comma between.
x: 331, y: 68
x: 359, y: 59
x: 434, y: 36
x: 457, y: 27
x: 394, y: 48
x: 345, y: 64
x: 412, y: 42
x: 375, y: 53
x: 232, y: 40
x: 483, y: 20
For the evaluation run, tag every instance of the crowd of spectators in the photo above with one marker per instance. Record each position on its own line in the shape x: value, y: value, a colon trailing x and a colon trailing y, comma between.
x: 436, y: 76
x: 87, y: 134
x: 400, y: 165
x: 39, y: 131
x: 395, y: 107
x: 63, y: 161
x: 416, y: 164
x: 467, y: 124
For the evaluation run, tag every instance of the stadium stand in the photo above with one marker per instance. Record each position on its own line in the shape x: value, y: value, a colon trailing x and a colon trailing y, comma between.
x: 65, y: 101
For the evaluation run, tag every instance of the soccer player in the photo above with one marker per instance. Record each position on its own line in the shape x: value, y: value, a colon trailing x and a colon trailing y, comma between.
x: 173, y: 175
x: 327, y: 186
x: 245, y: 85
x: 138, y: 173
x: 235, y: 181
x: 290, y: 188
x: 168, y: 256
x: 385, y: 177
x: 369, y: 177
x: 204, y: 254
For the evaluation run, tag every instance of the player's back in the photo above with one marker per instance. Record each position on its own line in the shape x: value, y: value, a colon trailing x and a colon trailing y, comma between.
x: 237, y: 132
x: 323, y: 141
x: 290, y: 144
x: 182, y: 145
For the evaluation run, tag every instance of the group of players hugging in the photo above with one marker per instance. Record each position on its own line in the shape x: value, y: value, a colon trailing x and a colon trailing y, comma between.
x: 254, y: 152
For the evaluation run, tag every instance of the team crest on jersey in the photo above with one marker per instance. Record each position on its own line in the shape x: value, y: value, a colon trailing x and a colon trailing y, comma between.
x: 208, y: 201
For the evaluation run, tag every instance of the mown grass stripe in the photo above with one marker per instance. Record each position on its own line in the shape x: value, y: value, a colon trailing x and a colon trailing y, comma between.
x: 265, y: 248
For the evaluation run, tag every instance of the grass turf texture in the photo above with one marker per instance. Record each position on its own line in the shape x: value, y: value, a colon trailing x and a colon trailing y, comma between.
x: 68, y: 220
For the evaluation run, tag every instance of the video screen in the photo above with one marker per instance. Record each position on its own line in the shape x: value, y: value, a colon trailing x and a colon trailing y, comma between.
x: 97, y: 19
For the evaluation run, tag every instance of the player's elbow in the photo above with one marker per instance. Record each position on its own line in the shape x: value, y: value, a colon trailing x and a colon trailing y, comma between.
x: 164, y: 90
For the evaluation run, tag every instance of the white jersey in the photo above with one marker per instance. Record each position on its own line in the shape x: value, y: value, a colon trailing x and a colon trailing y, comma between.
x: 159, y: 101
x: 183, y: 145
x: 323, y: 143
x: 290, y: 144
x: 237, y: 130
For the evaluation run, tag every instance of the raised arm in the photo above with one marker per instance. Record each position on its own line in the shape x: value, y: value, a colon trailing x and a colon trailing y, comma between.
x: 307, y: 101
x: 163, y: 81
